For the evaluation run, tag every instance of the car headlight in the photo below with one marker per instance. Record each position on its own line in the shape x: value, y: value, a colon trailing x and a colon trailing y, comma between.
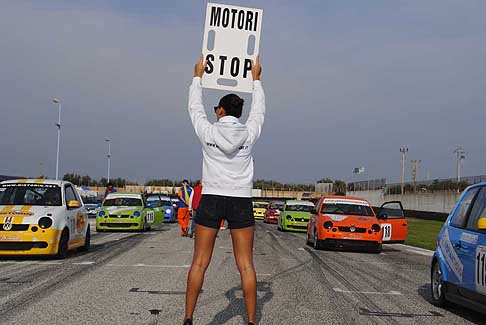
x: 328, y: 224
x: 102, y: 213
x: 136, y: 214
x: 168, y: 211
x: 376, y: 227
x: 45, y: 222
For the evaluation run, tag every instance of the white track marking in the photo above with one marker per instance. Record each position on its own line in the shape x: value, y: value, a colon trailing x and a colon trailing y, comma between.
x: 148, y: 265
x: 394, y: 293
x: 85, y: 263
x: 301, y: 249
x: 420, y: 252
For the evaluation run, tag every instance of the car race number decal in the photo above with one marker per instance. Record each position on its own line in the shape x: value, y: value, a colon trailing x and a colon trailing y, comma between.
x: 150, y: 216
x: 231, y: 41
x: 481, y: 269
x: 387, y: 231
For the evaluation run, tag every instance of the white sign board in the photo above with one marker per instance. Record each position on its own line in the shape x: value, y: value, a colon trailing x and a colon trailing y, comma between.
x: 231, y: 40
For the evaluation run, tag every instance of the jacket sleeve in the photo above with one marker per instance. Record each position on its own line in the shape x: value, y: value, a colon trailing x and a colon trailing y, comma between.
x: 197, y: 113
x: 257, y: 113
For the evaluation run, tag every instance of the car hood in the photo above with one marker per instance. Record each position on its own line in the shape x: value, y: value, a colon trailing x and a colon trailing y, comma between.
x: 121, y: 209
x: 349, y: 219
x: 28, y: 213
x: 297, y: 214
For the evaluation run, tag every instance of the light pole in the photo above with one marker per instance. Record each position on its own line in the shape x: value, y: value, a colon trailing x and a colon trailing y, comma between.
x: 460, y: 155
x: 58, y: 125
x: 403, y: 151
x: 108, y: 156
x: 415, y: 173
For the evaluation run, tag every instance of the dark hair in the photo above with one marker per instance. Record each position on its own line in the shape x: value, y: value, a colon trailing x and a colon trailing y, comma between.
x: 185, y: 181
x: 232, y: 105
x: 109, y: 184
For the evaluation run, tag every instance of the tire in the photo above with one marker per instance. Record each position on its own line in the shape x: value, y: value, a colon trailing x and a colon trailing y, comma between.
x: 317, y: 244
x: 437, y: 285
x: 87, y: 242
x: 62, y: 248
x: 307, y: 239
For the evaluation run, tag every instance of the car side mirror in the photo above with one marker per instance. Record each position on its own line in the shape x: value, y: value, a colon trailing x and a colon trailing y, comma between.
x: 73, y: 204
x: 482, y: 224
x: 383, y: 216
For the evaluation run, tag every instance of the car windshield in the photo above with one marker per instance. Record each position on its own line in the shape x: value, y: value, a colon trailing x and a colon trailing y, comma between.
x: 166, y: 203
x: 260, y: 205
x: 299, y: 207
x: 278, y: 206
x: 30, y: 194
x: 123, y: 201
x: 350, y: 209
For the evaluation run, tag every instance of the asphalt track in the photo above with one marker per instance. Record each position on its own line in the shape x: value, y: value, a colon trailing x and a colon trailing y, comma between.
x: 139, y: 278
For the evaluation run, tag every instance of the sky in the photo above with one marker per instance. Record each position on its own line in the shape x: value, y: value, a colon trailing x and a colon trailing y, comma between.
x: 347, y: 84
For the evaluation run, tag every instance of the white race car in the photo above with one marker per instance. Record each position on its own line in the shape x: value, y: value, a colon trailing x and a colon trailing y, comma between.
x: 41, y: 217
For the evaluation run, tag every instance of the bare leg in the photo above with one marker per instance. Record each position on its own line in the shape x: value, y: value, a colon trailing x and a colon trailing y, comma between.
x: 243, y: 251
x: 203, y: 250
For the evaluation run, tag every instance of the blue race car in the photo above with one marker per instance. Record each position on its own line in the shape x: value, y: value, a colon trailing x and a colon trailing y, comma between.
x: 169, y: 211
x: 162, y: 204
x: 458, y: 272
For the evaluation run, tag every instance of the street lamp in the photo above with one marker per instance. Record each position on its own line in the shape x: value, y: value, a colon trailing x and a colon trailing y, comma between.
x: 403, y: 151
x: 108, y: 156
x: 460, y: 155
x: 58, y: 125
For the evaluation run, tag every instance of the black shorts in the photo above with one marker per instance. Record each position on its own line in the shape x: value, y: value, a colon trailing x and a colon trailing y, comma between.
x: 238, y: 211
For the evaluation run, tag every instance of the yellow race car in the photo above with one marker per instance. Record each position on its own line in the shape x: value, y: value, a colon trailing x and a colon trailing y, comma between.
x: 41, y: 217
x: 259, y: 210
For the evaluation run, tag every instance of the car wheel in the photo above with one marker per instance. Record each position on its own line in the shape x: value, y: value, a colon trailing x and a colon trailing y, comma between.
x: 307, y: 241
x: 62, y: 248
x: 317, y: 244
x: 87, y: 242
x: 437, y: 285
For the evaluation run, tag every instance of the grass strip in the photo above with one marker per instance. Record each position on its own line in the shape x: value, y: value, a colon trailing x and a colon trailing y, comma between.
x: 423, y: 233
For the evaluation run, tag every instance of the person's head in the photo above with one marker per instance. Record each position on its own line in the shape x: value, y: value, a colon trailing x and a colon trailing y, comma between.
x: 109, y: 185
x: 185, y: 182
x: 229, y: 105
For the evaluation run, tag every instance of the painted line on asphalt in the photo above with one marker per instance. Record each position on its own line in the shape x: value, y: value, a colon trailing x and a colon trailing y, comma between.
x: 85, y: 263
x: 148, y: 265
x: 394, y: 293
x: 419, y: 252
x: 415, y: 249
x: 301, y: 249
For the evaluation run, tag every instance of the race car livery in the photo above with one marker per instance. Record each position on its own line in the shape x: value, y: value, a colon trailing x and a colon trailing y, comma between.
x: 295, y: 215
x: 458, y: 269
x: 259, y: 210
x: 345, y: 222
x: 41, y: 217
x: 127, y: 211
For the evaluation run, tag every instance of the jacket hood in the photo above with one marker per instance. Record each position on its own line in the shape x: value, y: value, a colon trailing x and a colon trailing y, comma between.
x: 229, y: 134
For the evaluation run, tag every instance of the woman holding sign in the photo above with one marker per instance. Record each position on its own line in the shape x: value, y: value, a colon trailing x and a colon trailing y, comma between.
x: 227, y: 184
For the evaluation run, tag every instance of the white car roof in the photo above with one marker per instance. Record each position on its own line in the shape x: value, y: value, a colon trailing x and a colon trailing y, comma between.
x: 126, y: 195
x: 298, y: 202
x: 35, y: 181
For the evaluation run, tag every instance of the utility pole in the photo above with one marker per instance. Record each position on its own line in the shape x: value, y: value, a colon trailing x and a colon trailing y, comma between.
x: 403, y: 151
x: 58, y: 125
x: 415, y: 173
x: 108, y: 156
x: 460, y: 155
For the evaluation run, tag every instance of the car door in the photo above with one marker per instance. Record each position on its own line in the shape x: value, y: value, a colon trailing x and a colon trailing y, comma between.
x: 473, y: 242
x: 76, y: 218
x: 393, y: 222
x: 312, y: 221
x: 456, y: 244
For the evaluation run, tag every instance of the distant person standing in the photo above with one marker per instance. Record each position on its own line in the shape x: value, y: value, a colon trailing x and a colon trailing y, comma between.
x: 184, y: 195
x: 227, y: 184
x: 194, y: 205
x: 109, y: 189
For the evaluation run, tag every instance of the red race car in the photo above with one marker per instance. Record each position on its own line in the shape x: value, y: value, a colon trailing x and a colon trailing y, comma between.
x: 347, y: 222
x: 273, y: 212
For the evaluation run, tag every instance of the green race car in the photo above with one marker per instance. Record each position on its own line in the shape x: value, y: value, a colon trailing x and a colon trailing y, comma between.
x: 127, y: 211
x: 295, y: 216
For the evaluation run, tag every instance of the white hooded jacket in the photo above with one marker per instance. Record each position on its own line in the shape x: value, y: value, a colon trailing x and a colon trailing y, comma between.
x: 227, y: 144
